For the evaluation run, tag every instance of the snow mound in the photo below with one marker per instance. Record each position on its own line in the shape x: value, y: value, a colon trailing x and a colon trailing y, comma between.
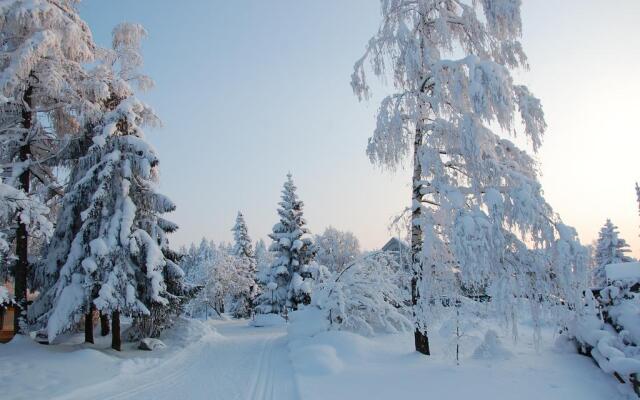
x: 307, y: 322
x: 151, y: 344
x: 316, y: 360
x: 138, y: 365
x: 491, y: 348
x: 265, y: 320
x: 187, y: 330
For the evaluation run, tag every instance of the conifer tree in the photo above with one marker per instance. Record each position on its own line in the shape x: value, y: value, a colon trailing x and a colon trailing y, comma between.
x: 243, y: 304
x: 264, y: 259
x: 292, y: 249
x: 476, y: 201
x: 610, y: 249
x: 115, y: 256
x: 44, y: 45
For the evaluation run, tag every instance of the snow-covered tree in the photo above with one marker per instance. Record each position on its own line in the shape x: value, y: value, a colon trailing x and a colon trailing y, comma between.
x: 365, y: 298
x: 610, y: 249
x: 247, y: 269
x: 336, y: 249
x: 477, y: 205
x: 44, y: 46
x: 31, y: 212
x: 292, y: 249
x: 115, y: 256
x: 264, y: 258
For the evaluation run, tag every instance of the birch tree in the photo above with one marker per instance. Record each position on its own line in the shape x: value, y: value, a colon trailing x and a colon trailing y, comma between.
x: 477, y: 206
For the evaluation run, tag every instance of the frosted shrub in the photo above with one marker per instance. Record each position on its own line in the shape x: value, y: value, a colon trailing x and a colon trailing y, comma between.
x: 365, y: 297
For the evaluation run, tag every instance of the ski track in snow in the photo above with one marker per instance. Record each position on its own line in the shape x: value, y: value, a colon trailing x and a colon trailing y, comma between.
x: 246, y: 364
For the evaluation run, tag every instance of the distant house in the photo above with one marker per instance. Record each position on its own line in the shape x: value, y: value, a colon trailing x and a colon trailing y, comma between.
x: 395, y: 245
x: 400, y: 250
x: 7, y: 310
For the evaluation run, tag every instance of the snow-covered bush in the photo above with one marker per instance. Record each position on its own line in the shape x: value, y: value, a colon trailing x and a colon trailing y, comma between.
x: 611, y: 334
x: 365, y: 297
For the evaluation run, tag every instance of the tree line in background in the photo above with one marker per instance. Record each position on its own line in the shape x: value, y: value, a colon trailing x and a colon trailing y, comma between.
x: 243, y: 280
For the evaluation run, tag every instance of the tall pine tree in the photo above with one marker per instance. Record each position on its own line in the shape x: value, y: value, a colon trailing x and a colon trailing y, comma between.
x: 292, y: 249
x: 114, y: 255
x: 610, y: 249
x: 243, y: 304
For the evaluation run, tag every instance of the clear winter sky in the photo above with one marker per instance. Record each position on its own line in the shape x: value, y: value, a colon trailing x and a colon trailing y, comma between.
x: 250, y: 89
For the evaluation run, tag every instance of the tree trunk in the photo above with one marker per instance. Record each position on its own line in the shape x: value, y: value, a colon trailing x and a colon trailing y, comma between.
x: 420, y: 335
x: 104, y: 324
x: 88, y: 325
x: 22, y: 236
x: 116, y: 342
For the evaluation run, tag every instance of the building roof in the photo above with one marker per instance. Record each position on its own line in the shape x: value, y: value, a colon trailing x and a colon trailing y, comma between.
x: 395, y: 244
x: 623, y: 271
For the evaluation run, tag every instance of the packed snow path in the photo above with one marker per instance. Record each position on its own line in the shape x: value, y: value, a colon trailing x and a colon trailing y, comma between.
x: 245, y: 363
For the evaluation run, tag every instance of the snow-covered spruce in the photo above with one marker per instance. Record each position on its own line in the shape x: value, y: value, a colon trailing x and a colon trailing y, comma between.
x: 288, y: 283
x: 478, y: 215
x: 44, y: 45
x: 199, y: 264
x: 264, y: 259
x: 365, y: 297
x: 610, y: 249
x: 336, y: 249
x: 243, y: 303
x: 111, y: 250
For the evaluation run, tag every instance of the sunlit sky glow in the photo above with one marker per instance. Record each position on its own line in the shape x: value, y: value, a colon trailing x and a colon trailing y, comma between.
x: 251, y: 89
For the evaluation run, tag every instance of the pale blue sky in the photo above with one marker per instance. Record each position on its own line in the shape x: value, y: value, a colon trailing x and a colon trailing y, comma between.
x: 251, y: 89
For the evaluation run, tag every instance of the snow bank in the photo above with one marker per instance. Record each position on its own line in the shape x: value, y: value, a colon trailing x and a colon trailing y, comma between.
x: 330, y: 364
x: 29, y: 370
x: 264, y: 320
x: 491, y: 348
x: 623, y: 271
x: 316, y: 360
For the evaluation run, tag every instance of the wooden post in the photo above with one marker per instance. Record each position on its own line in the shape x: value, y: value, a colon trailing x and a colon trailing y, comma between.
x: 116, y: 342
x: 104, y: 324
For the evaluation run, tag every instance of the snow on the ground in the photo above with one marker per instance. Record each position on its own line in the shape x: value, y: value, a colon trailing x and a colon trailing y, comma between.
x: 221, y: 360
x: 266, y: 320
x: 342, y: 365
x: 229, y: 359
x: 29, y: 370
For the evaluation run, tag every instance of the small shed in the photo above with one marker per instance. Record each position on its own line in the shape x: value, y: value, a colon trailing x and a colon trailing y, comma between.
x: 7, y: 315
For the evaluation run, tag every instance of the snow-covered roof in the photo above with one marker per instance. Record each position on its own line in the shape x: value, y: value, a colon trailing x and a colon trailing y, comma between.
x: 394, y: 244
x: 622, y: 271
